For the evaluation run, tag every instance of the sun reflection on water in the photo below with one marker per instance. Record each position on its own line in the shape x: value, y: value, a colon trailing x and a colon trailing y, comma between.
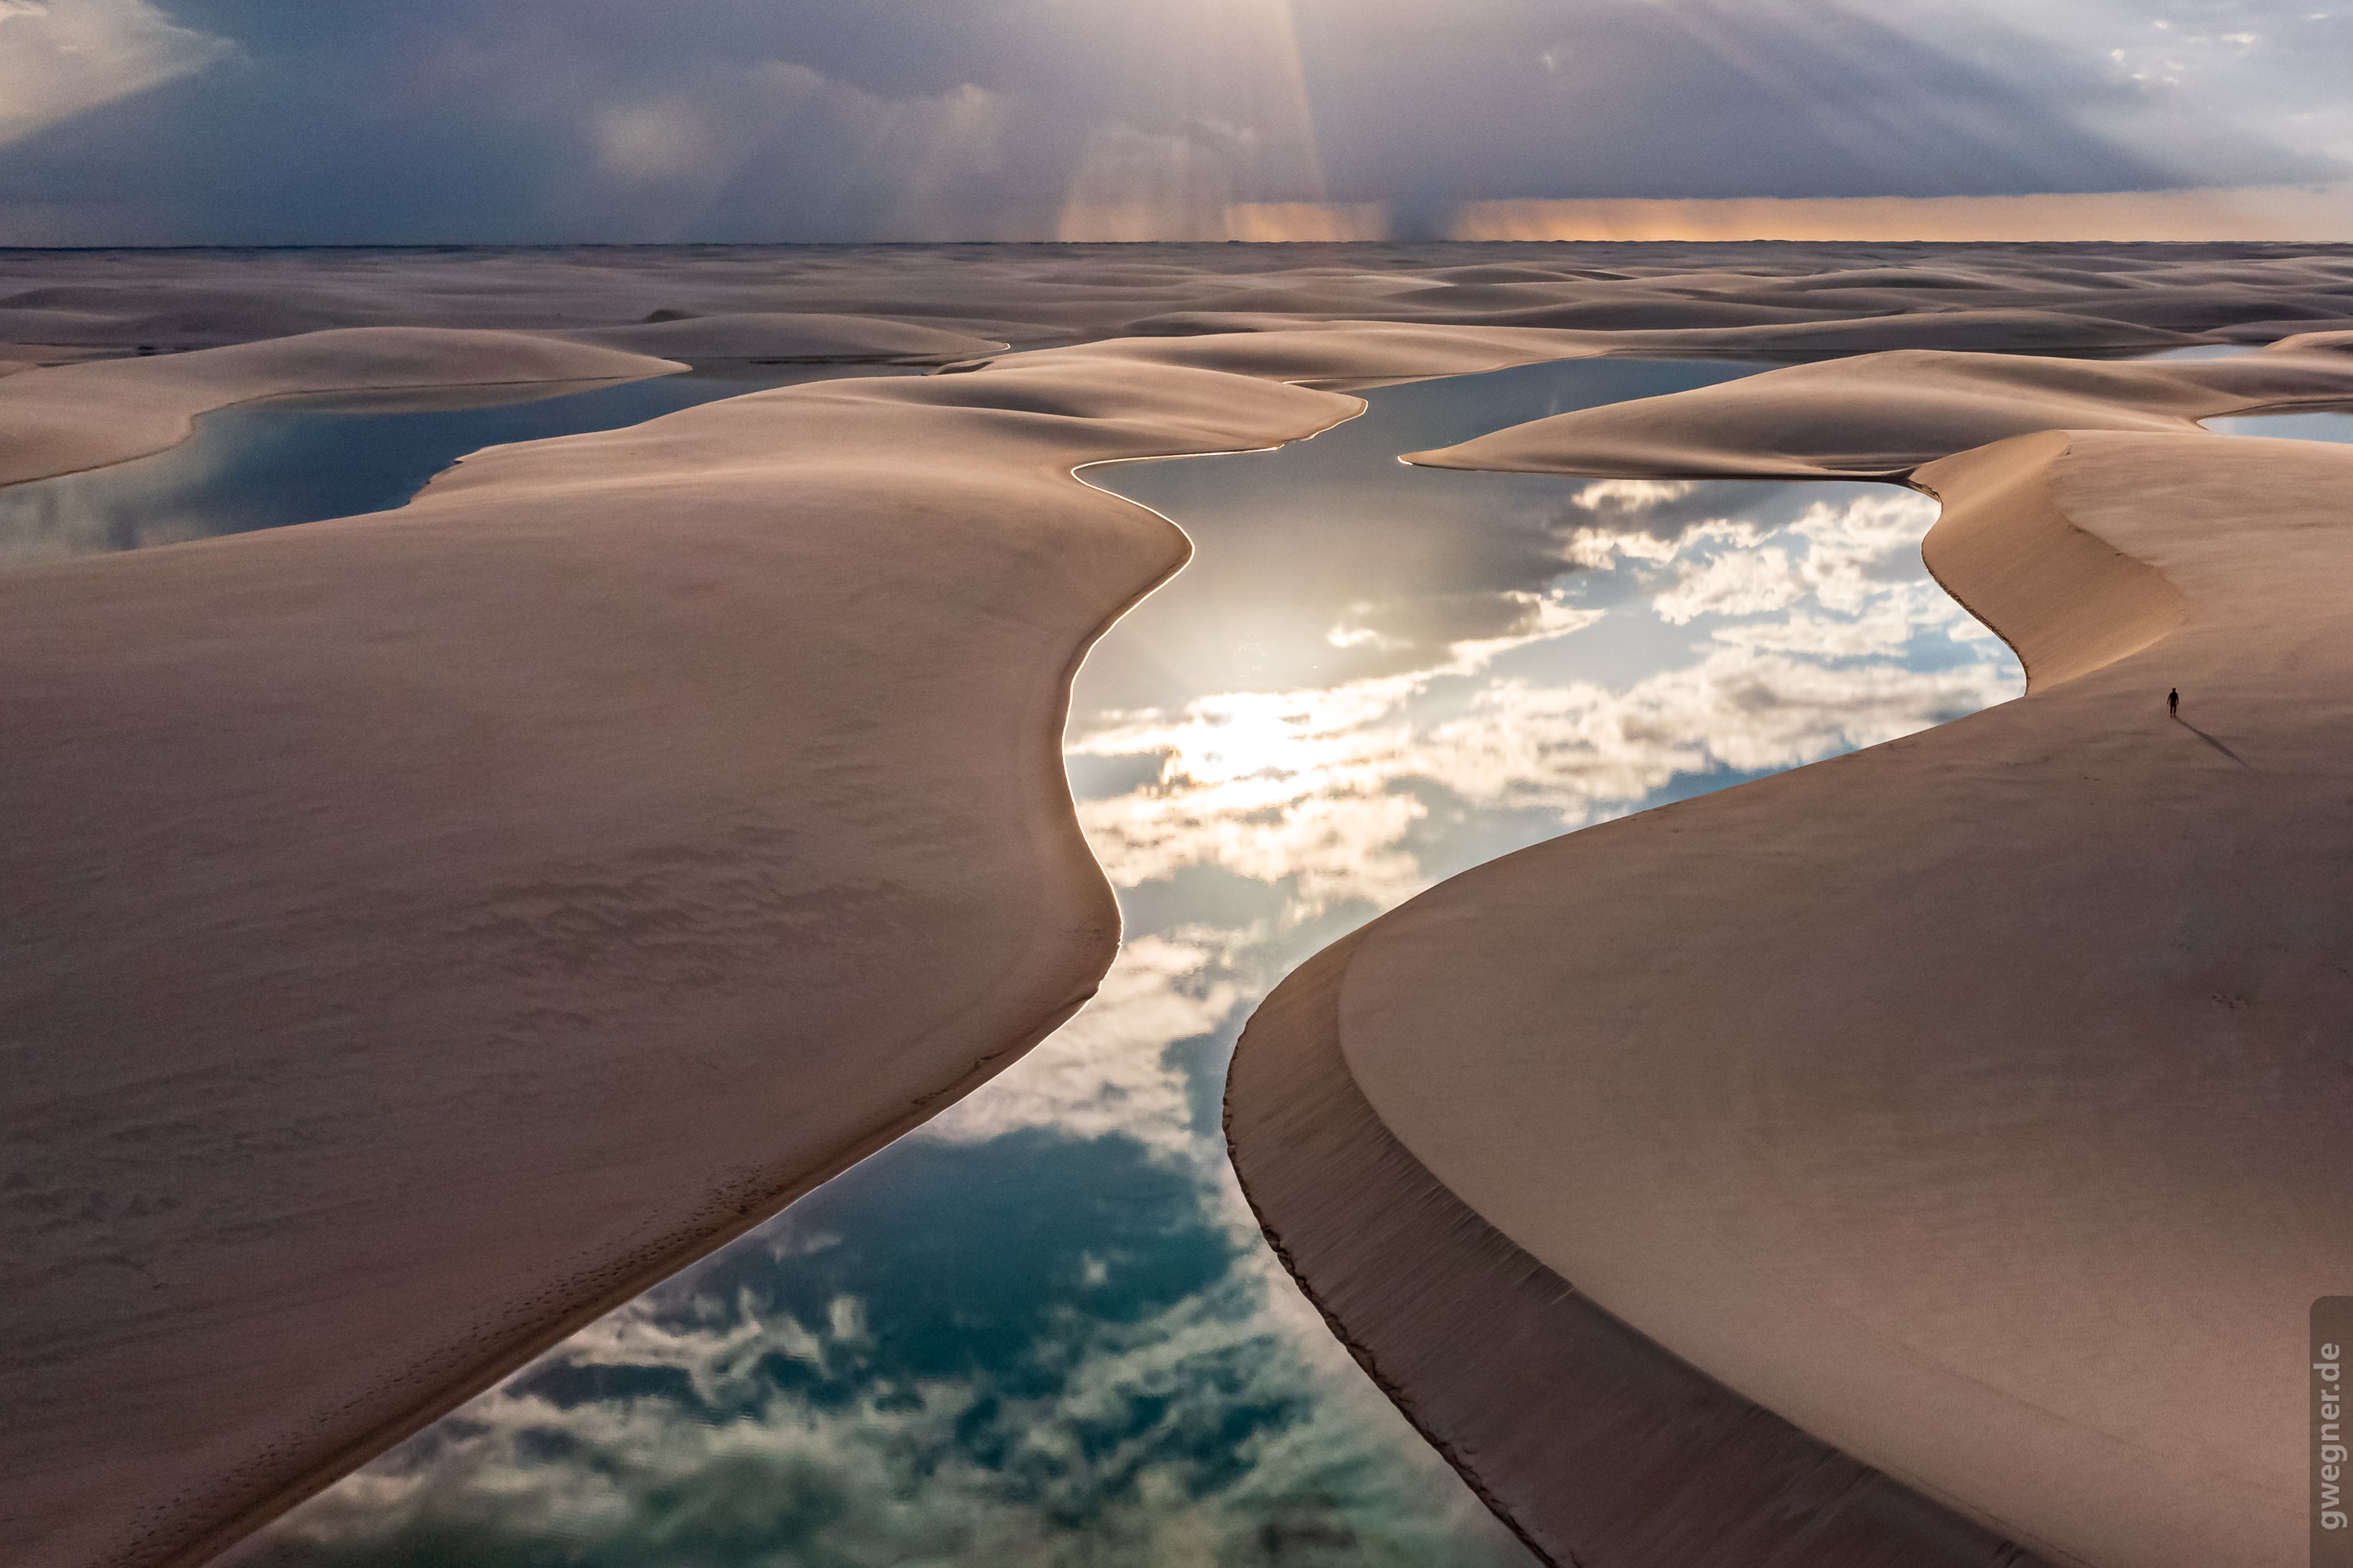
x: 1763, y: 640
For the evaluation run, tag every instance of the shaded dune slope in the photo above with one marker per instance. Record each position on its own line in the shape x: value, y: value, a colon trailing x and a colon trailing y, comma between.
x: 1590, y: 1441
x: 427, y: 929
x: 1973, y: 1103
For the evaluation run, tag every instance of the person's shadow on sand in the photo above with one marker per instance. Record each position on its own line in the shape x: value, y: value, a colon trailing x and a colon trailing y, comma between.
x: 2173, y: 707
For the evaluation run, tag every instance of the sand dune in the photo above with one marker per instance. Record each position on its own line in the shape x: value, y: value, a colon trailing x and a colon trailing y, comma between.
x: 2016, y: 331
x: 1330, y: 352
x: 2080, y: 296
x: 784, y: 336
x: 1968, y: 1103
x: 442, y: 923
x: 2012, y: 332
x: 1881, y: 416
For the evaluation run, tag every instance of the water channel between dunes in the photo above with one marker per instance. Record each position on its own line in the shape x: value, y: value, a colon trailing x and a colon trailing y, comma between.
x: 1044, y: 1328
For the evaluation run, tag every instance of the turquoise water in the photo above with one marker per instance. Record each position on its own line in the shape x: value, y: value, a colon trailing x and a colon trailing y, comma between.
x: 1044, y: 1328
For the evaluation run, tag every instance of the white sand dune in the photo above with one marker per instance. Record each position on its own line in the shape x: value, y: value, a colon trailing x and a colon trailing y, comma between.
x: 2017, y: 330
x: 1343, y: 353
x: 2048, y: 296
x: 781, y: 335
x: 1881, y: 416
x: 429, y: 928
x: 1973, y: 1104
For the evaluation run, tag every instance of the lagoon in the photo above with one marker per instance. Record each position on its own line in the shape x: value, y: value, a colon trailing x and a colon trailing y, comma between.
x: 283, y: 461
x: 1044, y: 1328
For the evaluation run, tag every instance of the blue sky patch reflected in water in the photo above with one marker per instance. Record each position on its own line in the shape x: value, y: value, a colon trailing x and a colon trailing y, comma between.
x: 1044, y: 1328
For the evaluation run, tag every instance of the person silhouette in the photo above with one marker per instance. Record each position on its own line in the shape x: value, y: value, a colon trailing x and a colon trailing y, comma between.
x: 2173, y: 702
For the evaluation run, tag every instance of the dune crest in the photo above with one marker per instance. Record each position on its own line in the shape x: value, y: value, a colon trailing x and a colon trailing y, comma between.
x: 1881, y: 416
x: 1670, y: 297
x: 785, y: 336
x: 2065, y: 599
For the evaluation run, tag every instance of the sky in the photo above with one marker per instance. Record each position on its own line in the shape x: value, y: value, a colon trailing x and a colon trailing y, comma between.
x: 204, y: 122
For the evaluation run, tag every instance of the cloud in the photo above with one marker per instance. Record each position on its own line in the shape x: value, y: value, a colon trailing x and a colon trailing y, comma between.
x: 1817, y: 632
x: 1104, y: 1070
x: 1732, y: 585
x: 1695, y: 99
x: 666, y: 160
x: 2278, y: 64
x: 442, y: 121
x: 1032, y: 1350
x: 61, y: 57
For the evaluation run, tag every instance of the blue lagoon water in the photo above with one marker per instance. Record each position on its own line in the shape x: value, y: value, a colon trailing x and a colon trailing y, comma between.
x: 1044, y: 1328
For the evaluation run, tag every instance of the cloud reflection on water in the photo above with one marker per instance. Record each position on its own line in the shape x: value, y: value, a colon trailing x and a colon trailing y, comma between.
x: 1035, y: 1349
x: 1044, y: 1328
x: 1762, y: 643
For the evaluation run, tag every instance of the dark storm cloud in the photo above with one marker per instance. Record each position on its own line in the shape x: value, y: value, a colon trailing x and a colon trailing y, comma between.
x: 1692, y: 99
x: 558, y: 120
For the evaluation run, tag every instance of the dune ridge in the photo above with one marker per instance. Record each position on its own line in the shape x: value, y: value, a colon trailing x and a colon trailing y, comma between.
x: 2065, y: 600
x: 1745, y: 298
x: 1881, y: 416
x: 1964, y: 1101
x: 786, y: 336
